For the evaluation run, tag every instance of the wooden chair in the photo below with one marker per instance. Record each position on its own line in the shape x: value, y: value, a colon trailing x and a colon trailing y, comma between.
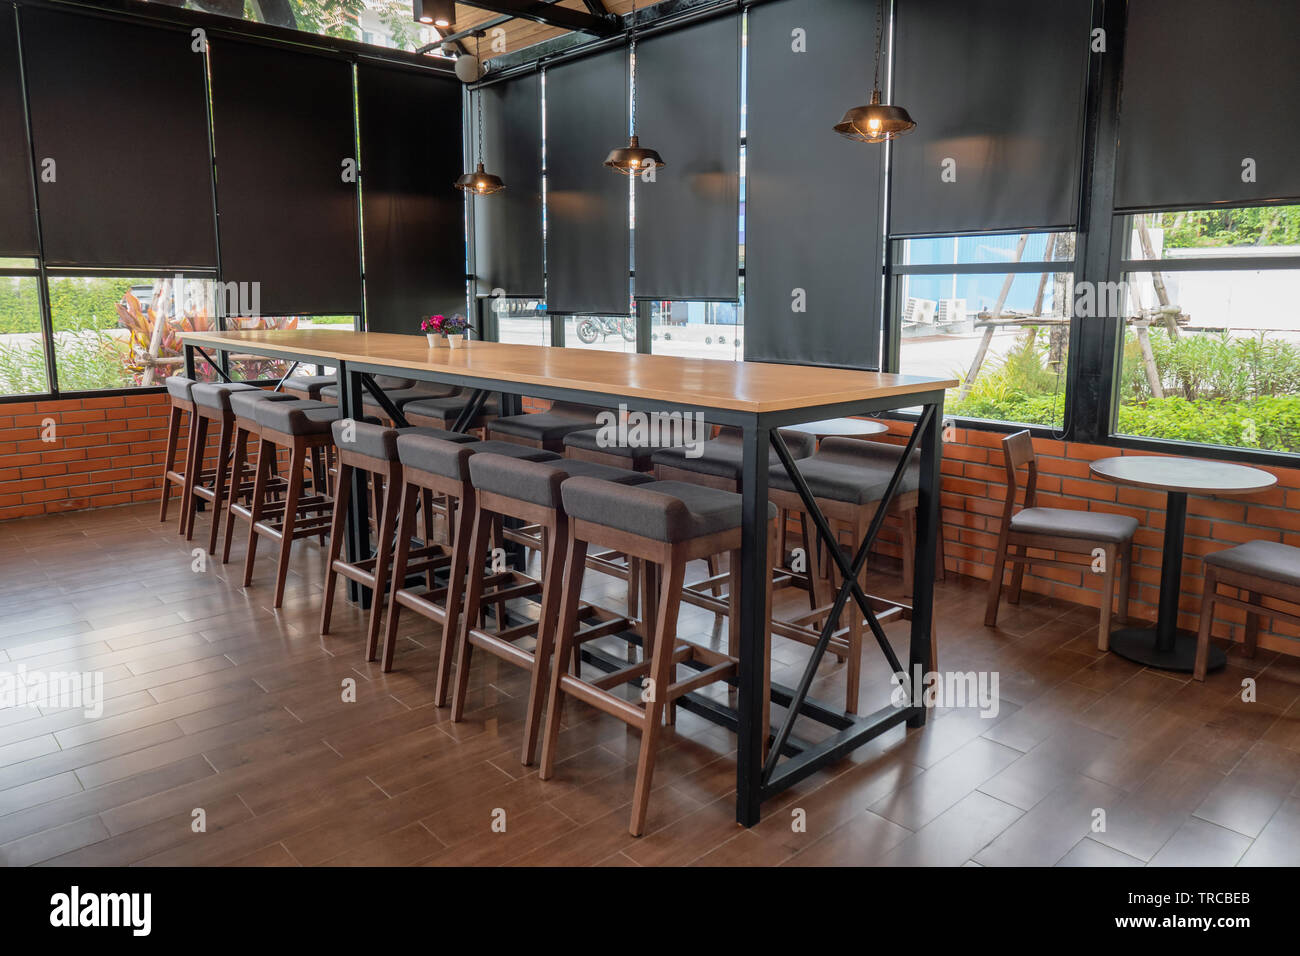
x: 1060, y: 530
x: 1258, y: 570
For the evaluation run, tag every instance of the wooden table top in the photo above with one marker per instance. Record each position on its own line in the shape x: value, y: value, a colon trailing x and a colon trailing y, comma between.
x: 708, y: 383
x: 1187, y: 475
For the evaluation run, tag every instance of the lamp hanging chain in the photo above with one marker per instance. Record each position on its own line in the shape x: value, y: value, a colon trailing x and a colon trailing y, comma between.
x: 479, y: 97
x: 880, y: 18
x: 632, y: 57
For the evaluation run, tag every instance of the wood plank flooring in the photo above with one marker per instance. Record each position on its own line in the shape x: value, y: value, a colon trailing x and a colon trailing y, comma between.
x: 216, y: 703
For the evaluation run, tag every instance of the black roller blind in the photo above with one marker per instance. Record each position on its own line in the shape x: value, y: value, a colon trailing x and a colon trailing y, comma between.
x: 997, y: 91
x: 586, y: 204
x: 688, y: 108
x: 17, y: 213
x: 283, y: 127
x: 813, y: 198
x: 120, y: 129
x: 508, y: 224
x: 413, y: 218
x: 1208, y: 86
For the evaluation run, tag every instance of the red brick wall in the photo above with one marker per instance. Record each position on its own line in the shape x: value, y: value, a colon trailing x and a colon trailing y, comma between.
x: 109, y: 451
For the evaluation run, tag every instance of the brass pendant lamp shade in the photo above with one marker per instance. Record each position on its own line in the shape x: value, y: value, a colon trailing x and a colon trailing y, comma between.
x: 480, y: 182
x: 876, y: 122
x: 633, y: 158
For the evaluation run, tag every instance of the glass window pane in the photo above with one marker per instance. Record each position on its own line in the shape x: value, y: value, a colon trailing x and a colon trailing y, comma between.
x: 384, y: 23
x: 258, y: 368
x: 1039, y: 247
x: 608, y: 333
x: 521, y: 321
x: 121, y: 332
x: 1212, y: 357
x: 697, y: 329
x: 1193, y: 234
x: 1011, y: 365
x: 22, y: 347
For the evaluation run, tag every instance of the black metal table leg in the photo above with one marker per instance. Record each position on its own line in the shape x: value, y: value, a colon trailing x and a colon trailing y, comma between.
x: 754, y: 573
x: 1166, y: 646
x: 927, y: 543
x: 357, y: 535
x: 189, y: 361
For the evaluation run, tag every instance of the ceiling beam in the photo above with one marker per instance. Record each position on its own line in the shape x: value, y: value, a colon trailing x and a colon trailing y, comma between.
x: 550, y: 15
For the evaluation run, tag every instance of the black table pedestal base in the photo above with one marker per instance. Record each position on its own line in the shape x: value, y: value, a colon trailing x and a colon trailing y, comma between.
x: 1138, y: 644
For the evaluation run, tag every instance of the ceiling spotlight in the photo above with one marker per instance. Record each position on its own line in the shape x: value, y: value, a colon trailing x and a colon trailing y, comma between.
x: 439, y: 13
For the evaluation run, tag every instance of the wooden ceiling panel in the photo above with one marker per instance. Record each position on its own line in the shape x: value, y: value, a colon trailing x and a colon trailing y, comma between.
x: 519, y: 33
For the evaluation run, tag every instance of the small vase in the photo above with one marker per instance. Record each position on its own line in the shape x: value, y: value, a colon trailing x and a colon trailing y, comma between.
x: 436, y: 341
x: 456, y: 341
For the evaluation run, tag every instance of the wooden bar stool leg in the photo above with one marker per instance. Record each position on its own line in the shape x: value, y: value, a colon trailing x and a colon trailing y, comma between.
x: 383, y: 558
x: 169, y: 459
x: 405, y: 525
x: 239, y: 457
x: 552, y: 586
x: 457, y: 573
x: 481, y: 529
x: 1252, y: 625
x: 219, y: 483
x: 194, y: 465
x: 661, y: 668
x: 265, y: 452
x: 297, y: 464
x: 335, y: 549
x: 575, y: 566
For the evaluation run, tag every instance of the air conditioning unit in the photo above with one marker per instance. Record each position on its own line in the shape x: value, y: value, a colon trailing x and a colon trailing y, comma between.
x: 919, y: 311
x: 952, y: 311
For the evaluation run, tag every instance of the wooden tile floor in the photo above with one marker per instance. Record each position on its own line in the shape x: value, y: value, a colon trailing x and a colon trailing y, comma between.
x: 217, y: 703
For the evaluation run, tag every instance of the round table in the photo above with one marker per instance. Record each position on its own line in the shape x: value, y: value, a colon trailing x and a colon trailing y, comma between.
x: 841, y: 428
x: 1166, y: 646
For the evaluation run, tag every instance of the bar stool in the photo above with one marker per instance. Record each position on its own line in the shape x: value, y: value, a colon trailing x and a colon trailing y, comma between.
x: 307, y: 386
x: 592, y: 445
x: 545, y: 429
x: 178, y: 395
x: 666, y: 524
x: 512, y: 487
x: 443, y: 412
x: 848, y: 478
x: 243, y: 476
x: 372, y: 449
x: 302, y: 428
x: 328, y: 389
x: 211, y: 404
x: 398, y: 397
x: 440, y: 466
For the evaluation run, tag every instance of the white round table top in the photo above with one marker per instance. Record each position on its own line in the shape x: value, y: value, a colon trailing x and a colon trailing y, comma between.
x: 841, y: 427
x: 1187, y: 475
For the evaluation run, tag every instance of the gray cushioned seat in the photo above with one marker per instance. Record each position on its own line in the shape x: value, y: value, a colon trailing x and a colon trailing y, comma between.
x: 398, y: 396
x: 553, y: 425
x: 1266, y: 559
x: 300, y: 417
x: 217, y: 394
x: 311, y: 384
x: 179, y: 386
x: 850, y: 470
x: 243, y: 403
x: 329, y: 390
x: 661, y: 510
x: 448, y: 409
x: 723, y: 457
x: 450, y: 459
x: 1068, y: 523
x: 638, y: 455
x: 539, y: 481
x: 380, y: 441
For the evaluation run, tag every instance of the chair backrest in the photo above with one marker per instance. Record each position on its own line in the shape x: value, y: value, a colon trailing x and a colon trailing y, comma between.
x: 1018, y: 452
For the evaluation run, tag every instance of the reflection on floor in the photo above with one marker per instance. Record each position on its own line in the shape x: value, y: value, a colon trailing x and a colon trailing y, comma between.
x: 216, y: 703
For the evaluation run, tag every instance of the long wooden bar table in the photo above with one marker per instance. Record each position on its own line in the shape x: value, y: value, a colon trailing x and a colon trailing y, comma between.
x: 757, y: 398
